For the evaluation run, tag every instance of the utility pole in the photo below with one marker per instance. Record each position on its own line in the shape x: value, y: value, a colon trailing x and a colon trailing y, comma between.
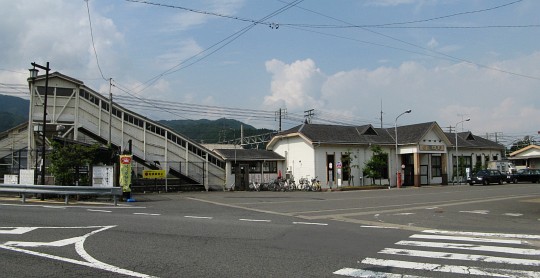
x: 381, y: 115
x: 281, y: 113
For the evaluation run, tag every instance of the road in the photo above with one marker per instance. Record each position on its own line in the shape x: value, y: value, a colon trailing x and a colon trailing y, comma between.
x: 438, y: 231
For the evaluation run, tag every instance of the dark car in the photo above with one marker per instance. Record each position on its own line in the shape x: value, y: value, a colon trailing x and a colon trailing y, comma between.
x: 486, y: 177
x: 527, y: 175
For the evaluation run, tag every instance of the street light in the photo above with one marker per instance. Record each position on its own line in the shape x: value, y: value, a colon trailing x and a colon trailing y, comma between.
x: 457, y: 154
x: 398, y: 183
x: 33, y: 75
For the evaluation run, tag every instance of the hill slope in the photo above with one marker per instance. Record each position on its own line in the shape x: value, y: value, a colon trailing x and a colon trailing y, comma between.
x: 13, y: 111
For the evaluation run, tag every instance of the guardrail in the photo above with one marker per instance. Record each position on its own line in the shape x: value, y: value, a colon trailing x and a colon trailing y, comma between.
x: 61, y: 190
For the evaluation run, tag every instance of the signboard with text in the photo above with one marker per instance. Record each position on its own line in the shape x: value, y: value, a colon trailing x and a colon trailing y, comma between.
x: 153, y: 174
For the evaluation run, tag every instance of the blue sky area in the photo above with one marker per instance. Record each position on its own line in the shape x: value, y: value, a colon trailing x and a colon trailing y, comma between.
x: 447, y: 60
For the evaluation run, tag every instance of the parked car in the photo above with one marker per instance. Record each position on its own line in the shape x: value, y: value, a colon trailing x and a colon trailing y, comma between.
x: 527, y: 175
x: 486, y: 177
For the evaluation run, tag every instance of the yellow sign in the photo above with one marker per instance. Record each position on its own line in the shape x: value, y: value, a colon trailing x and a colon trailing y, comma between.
x: 153, y: 174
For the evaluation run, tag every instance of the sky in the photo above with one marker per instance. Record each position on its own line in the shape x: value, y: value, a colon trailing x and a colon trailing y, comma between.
x: 345, y: 61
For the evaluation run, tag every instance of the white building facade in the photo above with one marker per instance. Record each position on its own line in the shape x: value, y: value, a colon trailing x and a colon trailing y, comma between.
x: 337, y: 155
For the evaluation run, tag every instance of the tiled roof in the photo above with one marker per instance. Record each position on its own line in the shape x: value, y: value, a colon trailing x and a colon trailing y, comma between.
x: 248, y: 154
x: 367, y: 134
x: 468, y: 140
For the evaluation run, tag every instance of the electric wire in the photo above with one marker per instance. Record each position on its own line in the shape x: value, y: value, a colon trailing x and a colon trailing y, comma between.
x: 447, y: 57
x: 93, y: 43
x: 218, y: 46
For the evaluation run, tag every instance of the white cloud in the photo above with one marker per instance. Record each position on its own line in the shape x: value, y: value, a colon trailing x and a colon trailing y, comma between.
x: 295, y: 85
x: 495, y: 101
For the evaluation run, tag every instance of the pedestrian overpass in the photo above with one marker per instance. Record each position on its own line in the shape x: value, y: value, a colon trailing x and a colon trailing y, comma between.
x: 76, y: 112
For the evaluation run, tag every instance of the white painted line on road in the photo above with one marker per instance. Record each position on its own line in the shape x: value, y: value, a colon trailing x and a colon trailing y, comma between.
x: 463, y: 246
x: 378, y: 227
x: 98, y: 210
x: 16, y: 230
x: 514, y: 214
x: 310, y: 223
x: 461, y: 257
x: 405, y: 213
x: 54, y: 207
x: 58, y: 243
x: 433, y: 208
x: 472, y: 239
x: 455, y: 269
x: 443, y: 232
x: 199, y: 217
x: 255, y: 220
x: 476, y: 211
x: 353, y: 272
x: 79, y: 248
x: 144, y: 213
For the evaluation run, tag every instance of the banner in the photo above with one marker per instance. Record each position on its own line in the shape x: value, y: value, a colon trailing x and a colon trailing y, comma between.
x: 125, y: 172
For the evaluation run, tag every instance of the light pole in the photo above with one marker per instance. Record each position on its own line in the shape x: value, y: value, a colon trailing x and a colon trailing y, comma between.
x: 33, y: 75
x: 457, y: 154
x: 398, y: 184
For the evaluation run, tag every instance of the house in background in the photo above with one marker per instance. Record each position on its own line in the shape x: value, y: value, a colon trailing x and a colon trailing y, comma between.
x: 528, y: 157
x: 475, y: 152
x: 243, y: 166
x: 336, y: 155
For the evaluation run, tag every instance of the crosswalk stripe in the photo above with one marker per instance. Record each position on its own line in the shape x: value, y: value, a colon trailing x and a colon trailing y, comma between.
x: 523, y: 236
x: 472, y: 239
x: 462, y: 257
x: 354, y: 272
x: 457, y: 269
x: 515, y: 244
x: 509, y: 250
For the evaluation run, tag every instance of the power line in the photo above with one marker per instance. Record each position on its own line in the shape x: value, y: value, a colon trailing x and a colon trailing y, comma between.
x: 221, y: 44
x: 93, y: 44
x: 392, y: 25
x: 446, y: 56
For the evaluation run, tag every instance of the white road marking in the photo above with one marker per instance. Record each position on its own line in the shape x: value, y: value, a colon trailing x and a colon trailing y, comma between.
x: 353, y: 272
x: 54, y: 207
x: 98, y: 210
x: 378, y: 227
x: 198, y: 217
x: 473, y: 239
x: 443, y: 232
x: 58, y: 243
x: 457, y: 269
x: 514, y: 214
x: 79, y: 248
x: 476, y: 211
x: 145, y: 213
x: 508, y: 250
x: 16, y: 230
x: 456, y: 256
x: 405, y: 213
x: 310, y: 223
x: 255, y: 220
x: 433, y: 208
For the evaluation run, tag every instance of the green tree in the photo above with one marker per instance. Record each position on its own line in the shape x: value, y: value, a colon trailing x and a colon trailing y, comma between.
x: 519, y: 144
x: 66, y: 160
x: 348, y: 160
x: 374, y: 168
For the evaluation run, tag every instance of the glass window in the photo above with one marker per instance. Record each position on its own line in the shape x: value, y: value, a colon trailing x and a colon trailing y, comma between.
x: 436, y: 166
